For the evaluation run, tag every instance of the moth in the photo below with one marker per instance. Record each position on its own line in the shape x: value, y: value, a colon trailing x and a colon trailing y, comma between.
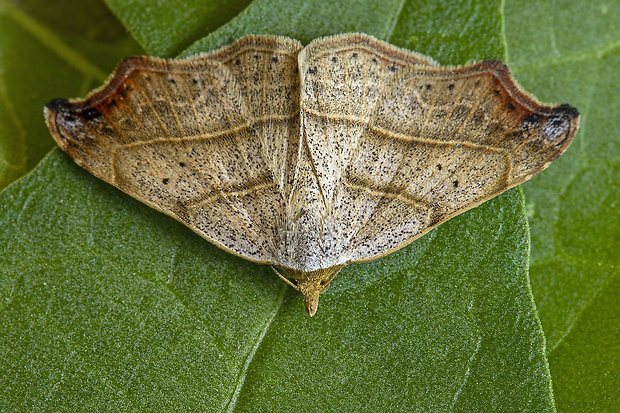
x: 310, y: 158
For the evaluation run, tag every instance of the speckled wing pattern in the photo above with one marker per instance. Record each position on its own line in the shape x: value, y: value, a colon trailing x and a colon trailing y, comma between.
x: 403, y: 145
x: 342, y: 79
x: 311, y: 158
x: 206, y: 140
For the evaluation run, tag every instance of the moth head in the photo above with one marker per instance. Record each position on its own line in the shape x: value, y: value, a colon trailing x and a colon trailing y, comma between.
x: 310, y: 290
x: 310, y: 284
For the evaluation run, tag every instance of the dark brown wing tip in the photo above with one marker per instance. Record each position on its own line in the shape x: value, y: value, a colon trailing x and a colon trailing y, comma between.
x: 571, y: 115
x: 65, y: 119
x: 56, y: 104
x: 503, y: 73
x: 64, y: 111
x: 78, y: 108
x: 568, y: 111
x: 51, y: 110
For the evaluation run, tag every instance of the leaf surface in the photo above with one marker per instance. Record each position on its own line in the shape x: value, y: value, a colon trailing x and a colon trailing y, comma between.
x: 574, y: 207
x: 165, y: 28
x: 49, y: 49
x: 108, y: 304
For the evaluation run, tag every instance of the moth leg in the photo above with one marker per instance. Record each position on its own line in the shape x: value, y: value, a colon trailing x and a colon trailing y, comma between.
x: 325, y: 284
x: 284, y: 278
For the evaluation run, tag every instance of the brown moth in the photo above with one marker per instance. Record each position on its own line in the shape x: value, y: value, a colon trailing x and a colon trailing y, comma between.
x: 311, y: 158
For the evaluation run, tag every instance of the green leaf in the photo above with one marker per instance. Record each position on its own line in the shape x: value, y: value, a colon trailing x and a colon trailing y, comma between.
x: 45, y: 52
x: 585, y: 363
x: 167, y: 27
x: 574, y: 207
x: 107, y: 304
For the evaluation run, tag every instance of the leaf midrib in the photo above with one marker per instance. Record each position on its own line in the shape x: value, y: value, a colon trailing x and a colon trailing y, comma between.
x: 230, y: 406
x: 234, y: 396
x: 54, y: 43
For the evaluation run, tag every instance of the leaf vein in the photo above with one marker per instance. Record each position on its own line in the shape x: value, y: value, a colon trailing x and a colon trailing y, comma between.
x: 234, y: 397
